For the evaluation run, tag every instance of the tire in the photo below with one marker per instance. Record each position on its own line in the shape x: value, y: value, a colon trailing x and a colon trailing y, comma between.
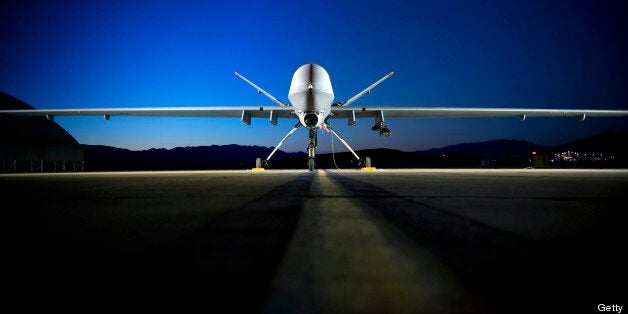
x: 367, y: 162
x: 258, y: 163
x: 310, y: 164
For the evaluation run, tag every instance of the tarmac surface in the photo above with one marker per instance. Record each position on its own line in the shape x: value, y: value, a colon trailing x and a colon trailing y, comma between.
x: 390, y: 241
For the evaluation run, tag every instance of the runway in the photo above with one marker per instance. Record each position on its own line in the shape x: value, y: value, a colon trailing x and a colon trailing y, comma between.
x: 394, y: 241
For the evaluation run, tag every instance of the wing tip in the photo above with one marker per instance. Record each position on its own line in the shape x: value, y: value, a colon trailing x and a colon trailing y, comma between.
x: 390, y: 74
x: 237, y: 74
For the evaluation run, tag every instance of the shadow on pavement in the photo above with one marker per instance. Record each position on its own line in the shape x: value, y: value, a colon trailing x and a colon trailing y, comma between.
x: 508, y: 272
x: 226, y: 264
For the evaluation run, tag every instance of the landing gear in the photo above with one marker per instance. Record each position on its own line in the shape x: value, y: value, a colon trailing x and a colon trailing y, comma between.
x: 346, y: 145
x: 311, y: 150
x: 259, y: 163
x: 366, y: 162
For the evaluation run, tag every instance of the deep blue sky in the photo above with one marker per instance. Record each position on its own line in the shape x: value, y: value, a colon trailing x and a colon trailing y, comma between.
x: 545, y: 54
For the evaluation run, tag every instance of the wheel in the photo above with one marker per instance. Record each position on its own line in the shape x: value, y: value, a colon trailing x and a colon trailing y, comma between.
x: 367, y: 162
x: 310, y: 164
x: 258, y: 163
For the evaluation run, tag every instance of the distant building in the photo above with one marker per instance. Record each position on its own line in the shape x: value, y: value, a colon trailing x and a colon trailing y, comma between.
x: 35, y: 143
x: 488, y: 163
x: 540, y: 160
x: 570, y: 156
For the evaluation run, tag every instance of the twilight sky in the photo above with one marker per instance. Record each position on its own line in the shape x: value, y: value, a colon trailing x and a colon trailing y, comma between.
x: 535, y: 54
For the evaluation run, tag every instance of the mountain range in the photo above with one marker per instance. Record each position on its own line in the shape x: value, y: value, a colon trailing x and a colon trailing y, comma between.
x: 501, y: 153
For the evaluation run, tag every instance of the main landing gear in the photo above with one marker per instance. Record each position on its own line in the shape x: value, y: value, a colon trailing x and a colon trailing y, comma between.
x: 311, y: 149
x: 259, y: 163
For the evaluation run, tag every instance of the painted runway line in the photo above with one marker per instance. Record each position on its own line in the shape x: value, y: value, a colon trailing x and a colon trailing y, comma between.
x: 344, y: 259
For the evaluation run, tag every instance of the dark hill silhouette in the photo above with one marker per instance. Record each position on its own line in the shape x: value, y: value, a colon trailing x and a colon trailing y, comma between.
x: 515, y: 153
x: 505, y: 153
x: 495, y: 149
x: 233, y: 156
x: 605, y: 142
x: 382, y: 157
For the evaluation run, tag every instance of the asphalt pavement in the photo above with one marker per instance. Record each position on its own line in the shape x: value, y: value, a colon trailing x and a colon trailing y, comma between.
x: 329, y: 241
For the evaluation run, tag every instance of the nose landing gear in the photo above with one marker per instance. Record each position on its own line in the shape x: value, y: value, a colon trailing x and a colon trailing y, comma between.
x: 311, y: 149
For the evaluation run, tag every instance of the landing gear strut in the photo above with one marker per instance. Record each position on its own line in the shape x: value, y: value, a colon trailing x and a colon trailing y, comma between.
x: 360, y: 161
x: 311, y: 149
x: 259, y: 163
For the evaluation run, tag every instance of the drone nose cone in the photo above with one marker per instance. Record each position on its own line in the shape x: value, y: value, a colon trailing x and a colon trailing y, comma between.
x: 310, y: 88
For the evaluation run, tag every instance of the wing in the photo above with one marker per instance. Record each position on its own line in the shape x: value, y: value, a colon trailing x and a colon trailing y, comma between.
x: 244, y: 113
x: 450, y: 112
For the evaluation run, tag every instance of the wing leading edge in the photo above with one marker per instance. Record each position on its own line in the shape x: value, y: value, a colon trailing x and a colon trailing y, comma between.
x: 244, y: 113
x: 453, y: 112
x: 274, y: 113
x: 216, y: 112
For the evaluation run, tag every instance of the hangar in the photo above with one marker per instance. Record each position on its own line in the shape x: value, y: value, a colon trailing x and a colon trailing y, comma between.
x: 35, y: 144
